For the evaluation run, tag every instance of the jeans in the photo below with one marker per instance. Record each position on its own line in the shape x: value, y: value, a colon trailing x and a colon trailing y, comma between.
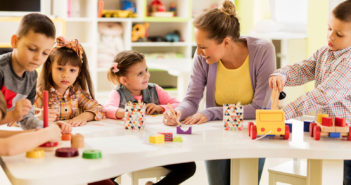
x: 218, y: 171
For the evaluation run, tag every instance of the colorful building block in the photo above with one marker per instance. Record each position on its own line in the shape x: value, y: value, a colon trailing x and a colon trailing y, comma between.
x: 178, y: 139
x: 306, y: 126
x: 320, y: 116
x: 168, y: 136
x: 290, y: 126
x: 181, y: 131
x: 233, y: 116
x: 35, y: 153
x: 134, y: 116
x: 157, y: 139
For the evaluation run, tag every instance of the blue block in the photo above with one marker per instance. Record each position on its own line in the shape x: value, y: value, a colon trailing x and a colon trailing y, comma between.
x: 306, y: 126
x: 290, y: 126
x: 334, y: 134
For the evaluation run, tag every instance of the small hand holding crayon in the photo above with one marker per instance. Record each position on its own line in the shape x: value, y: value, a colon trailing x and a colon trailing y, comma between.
x: 171, y: 117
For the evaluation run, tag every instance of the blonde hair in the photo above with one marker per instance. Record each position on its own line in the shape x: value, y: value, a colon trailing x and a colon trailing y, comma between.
x: 124, y: 60
x: 220, y: 22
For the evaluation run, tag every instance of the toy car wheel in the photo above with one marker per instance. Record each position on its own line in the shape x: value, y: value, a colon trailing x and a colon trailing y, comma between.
x: 253, y: 132
x: 349, y: 138
x: 317, y: 132
x: 287, y: 132
x: 311, y: 128
x: 250, y: 125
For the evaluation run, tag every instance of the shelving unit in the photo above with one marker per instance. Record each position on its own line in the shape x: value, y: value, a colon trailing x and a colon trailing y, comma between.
x: 79, y: 19
x: 84, y: 26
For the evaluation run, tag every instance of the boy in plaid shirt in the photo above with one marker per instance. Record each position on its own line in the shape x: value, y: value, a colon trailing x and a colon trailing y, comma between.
x: 329, y: 66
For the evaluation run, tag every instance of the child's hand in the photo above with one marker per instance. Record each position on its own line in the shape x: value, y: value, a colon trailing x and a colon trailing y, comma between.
x: 276, y: 82
x: 21, y: 109
x: 172, y: 117
x: 76, y: 122
x: 52, y: 114
x: 153, y: 108
x: 197, y: 118
x: 65, y: 127
x: 54, y: 132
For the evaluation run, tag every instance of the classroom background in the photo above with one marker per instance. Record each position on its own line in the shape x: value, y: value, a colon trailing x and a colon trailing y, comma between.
x: 105, y: 27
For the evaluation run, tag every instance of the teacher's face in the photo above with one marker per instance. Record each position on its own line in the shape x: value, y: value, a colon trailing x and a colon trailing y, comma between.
x: 208, y: 48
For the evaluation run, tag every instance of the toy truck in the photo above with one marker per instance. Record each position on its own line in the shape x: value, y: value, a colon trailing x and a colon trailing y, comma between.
x: 327, y: 127
x: 269, y: 122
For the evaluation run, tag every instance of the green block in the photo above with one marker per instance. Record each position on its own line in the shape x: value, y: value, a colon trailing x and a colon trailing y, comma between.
x: 178, y: 139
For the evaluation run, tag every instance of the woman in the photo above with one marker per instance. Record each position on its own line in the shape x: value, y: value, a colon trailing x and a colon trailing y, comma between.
x: 232, y: 68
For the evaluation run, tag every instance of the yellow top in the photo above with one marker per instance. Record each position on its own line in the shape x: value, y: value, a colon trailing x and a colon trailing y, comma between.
x: 233, y: 85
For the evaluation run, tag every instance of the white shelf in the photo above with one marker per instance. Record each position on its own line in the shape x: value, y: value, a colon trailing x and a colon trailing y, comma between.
x: 79, y: 19
x: 119, y: 19
x: 159, y: 44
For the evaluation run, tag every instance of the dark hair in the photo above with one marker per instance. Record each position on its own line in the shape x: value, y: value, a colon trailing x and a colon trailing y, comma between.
x: 343, y: 11
x: 37, y: 22
x: 220, y: 22
x: 65, y: 56
x: 124, y: 60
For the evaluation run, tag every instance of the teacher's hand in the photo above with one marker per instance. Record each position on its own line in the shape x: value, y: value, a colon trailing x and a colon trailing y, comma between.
x: 197, y: 118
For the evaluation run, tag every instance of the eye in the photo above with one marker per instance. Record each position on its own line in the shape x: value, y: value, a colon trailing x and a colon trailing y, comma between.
x: 338, y: 35
x: 147, y: 69
x: 73, y: 70
x: 45, y: 53
x: 31, y: 49
x: 59, y: 68
x: 140, y: 73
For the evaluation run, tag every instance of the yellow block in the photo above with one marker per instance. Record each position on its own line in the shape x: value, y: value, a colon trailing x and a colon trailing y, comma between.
x: 35, y: 153
x: 320, y: 116
x: 270, y: 122
x: 157, y: 139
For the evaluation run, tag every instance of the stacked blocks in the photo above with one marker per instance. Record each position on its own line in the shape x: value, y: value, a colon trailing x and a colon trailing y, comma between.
x: 168, y: 136
x: 233, y: 116
x: 157, y: 139
x: 134, y: 116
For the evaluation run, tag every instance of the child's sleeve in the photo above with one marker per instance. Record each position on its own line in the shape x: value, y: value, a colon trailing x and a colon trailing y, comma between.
x: 165, y: 99
x: 90, y: 105
x: 112, y: 105
x: 300, y: 73
x: 332, y: 92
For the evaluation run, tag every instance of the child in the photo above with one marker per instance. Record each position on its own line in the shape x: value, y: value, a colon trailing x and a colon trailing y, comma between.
x: 330, y: 67
x: 31, y: 45
x: 130, y: 72
x: 15, y: 142
x: 66, y: 76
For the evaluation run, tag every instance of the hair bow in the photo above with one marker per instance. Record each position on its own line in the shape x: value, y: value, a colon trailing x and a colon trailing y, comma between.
x: 115, y: 67
x: 73, y: 44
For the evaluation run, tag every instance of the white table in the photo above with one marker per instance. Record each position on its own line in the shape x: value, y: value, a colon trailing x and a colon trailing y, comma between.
x: 208, y: 141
